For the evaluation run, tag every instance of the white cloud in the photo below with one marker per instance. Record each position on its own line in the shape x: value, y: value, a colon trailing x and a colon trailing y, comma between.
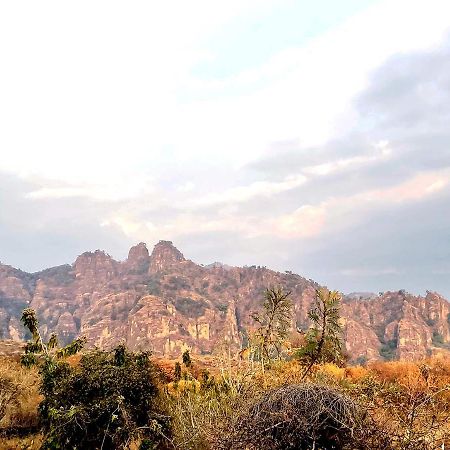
x: 330, y: 167
x: 374, y: 272
x: 104, y: 118
x: 257, y: 189
x: 337, y: 213
x: 92, y: 88
x: 116, y: 190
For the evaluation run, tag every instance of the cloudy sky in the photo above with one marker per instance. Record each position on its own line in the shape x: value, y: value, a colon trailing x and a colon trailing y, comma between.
x: 305, y: 136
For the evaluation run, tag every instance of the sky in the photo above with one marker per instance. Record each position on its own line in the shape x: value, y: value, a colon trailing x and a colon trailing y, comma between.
x: 304, y: 136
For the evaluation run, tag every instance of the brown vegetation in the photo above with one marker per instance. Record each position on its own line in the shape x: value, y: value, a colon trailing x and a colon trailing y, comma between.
x: 395, y: 405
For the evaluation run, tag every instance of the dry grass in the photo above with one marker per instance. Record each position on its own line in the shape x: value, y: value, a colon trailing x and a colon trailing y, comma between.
x: 408, y: 401
x: 20, y: 416
x: 33, y: 442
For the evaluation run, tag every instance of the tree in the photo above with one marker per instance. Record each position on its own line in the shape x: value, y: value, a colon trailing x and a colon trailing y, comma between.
x: 273, y: 322
x: 106, y: 401
x: 177, y: 372
x: 323, y: 340
x: 186, y: 358
x: 45, y: 354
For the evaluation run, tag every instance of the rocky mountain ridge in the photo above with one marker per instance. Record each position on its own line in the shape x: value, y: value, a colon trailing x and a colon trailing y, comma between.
x: 166, y: 302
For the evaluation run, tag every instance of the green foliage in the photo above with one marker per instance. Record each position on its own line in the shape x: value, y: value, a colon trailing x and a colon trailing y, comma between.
x: 37, y: 351
x: 273, y: 322
x: 222, y: 308
x: 388, y: 350
x: 438, y: 340
x: 154, y: 287
x: 30, y: 322
x: 189, y: 307
x: 186, y: 358
x: 323, y: 341
x: 361, y: 360
x: 53, y: 342
x: 107, y: 401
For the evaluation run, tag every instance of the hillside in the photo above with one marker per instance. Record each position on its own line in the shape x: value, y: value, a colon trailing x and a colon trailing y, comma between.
x: 164, y: 301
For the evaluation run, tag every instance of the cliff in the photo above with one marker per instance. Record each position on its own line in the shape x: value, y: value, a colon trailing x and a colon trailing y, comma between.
x: 166, y: 302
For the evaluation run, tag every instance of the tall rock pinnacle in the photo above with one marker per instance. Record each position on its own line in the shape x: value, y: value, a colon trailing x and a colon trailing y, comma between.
x: 164, y: 255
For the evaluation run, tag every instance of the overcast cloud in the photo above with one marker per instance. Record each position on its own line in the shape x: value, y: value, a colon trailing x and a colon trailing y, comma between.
x: 326, y: 153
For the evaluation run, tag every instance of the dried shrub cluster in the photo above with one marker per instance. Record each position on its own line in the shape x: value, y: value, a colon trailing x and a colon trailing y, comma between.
x: 299, y: 416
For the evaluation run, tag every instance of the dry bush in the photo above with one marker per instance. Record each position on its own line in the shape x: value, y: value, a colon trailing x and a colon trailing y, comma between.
x: 200, y: 410
x: 402, y: 372
x: 410, y: 401
x: 301, y: 416
x: 19, y: 395
x: 23, y: 443
x: 396, y: 405
x: 333, y: 370
x: 178, y: 387
x: 356, y: 373
x: 9, y: 393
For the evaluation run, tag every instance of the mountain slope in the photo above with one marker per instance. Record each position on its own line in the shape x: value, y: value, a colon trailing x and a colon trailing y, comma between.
x: 169, y: 303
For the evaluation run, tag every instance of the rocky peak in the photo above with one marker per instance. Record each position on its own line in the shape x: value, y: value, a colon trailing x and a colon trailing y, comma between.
x: 95, y: 264
x: 164, y: 255
x: 138, y: 255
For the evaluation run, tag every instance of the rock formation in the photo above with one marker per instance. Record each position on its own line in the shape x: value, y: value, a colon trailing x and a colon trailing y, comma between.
x: 164, y: 302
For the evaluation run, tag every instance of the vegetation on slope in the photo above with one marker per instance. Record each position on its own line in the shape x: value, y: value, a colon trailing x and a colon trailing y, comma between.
x: 300, y: 396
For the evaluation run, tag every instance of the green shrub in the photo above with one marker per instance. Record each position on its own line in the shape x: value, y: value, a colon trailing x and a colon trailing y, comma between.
x: 438, y: 340
x: 187, y: 358
x: 388, y: 350
x: 107, y: 401
x: 190, y: 308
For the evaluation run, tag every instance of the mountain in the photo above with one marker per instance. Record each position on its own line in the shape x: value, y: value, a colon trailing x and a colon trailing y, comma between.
x: 166, y: 302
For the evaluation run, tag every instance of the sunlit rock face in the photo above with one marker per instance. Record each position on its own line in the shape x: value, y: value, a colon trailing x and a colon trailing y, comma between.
x: 167, y: 303
x: 164, y: 256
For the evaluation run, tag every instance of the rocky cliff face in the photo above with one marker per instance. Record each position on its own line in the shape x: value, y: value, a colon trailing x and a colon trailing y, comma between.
x: 167, y: 303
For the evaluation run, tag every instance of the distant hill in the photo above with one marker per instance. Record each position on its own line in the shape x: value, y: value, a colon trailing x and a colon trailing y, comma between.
x: 166, y: 302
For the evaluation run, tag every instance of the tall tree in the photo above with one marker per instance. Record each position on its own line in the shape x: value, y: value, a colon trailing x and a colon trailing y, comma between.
x: 323, y: 341
x: 274, y: 322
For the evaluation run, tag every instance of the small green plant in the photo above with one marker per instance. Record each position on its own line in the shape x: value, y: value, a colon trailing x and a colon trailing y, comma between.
x: 438, y: 340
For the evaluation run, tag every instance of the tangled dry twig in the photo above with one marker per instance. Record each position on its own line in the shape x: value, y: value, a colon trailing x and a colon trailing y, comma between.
x: 299, y: 416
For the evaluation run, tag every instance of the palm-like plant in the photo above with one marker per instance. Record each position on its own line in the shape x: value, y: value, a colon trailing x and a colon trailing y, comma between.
x: 37, y: 348
x: 323, y: 341
x: 274, y: 322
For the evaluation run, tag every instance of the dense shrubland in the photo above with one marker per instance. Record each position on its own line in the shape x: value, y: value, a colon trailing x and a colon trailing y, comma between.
x: 276, y: 397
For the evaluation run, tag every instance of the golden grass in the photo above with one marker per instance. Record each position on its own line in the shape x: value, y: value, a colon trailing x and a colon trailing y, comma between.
x: 393, y: 392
